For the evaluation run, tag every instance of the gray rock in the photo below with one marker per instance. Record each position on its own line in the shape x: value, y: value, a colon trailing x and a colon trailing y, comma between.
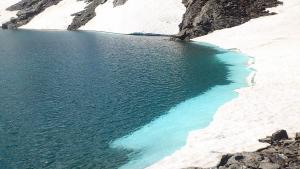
x: 204, y: 16
x: 224, y: 159
x: 279, y: 135
x: 266, y: 140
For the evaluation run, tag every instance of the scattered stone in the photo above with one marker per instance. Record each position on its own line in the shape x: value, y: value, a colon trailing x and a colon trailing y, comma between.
x: 279, y: 135
x: 266, y: 140
x: 224, y: 159
x: 282, y: 153
x: 276, y: 137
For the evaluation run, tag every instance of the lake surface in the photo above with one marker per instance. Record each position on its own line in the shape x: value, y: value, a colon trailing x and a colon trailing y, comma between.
x: 95, y: 100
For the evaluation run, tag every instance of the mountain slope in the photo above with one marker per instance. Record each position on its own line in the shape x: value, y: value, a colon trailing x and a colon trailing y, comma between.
x: 186, y: 19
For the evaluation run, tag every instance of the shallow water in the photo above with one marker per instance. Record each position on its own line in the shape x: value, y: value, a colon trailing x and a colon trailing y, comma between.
x: 94, y: 100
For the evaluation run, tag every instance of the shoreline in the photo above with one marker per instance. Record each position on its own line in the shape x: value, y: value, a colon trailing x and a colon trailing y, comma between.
x: 235, y: 61
x: 238, y: 68
x: 174, y: 120
x: 271, y: 104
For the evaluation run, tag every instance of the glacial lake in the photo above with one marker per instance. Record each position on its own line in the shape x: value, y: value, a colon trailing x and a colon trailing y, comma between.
x: 96, y: 100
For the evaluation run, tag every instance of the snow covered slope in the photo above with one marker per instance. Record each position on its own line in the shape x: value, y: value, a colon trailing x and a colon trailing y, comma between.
x: 6, y: 15
x: 135, y: 16
x: 57, y: 16
x: 142, y: 16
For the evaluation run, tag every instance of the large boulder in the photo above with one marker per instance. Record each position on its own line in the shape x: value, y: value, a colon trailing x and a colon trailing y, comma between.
x: 276, y: 137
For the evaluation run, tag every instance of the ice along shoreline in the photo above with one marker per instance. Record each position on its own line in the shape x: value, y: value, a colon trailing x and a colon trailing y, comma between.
x: 271, y: 104
x: 150, y: 143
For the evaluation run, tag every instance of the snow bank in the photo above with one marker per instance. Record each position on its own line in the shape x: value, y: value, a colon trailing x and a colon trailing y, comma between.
x: 4, y: 14
x: 142, y: 16
x: 57, y: 16
x: 272, y: 103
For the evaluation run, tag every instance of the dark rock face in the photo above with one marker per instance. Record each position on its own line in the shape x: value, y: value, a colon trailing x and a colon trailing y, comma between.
x: 283, y: 153
x: 27, y: 10
x: 204, y: 16
x: 83, y: 17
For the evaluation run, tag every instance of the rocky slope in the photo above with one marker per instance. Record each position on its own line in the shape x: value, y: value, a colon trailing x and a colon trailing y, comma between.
x: 204, y: 16
x: 200, y: 17
x: 83, y: 17
x: 282, y: 153
x: 27, y: 9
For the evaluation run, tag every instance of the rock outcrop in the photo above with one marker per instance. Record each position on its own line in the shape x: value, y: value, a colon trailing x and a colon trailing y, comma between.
x: 282, y: 153
x: 201, y: 16
x: 205, y: 16
x: 27, y: 9
x: 83, y: 17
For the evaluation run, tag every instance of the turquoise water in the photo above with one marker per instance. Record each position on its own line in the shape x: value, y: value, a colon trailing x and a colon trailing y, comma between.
x: 94, y: 100
x: 169, y: 132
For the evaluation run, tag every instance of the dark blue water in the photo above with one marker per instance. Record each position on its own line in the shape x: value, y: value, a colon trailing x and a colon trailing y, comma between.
x: 66, y: 96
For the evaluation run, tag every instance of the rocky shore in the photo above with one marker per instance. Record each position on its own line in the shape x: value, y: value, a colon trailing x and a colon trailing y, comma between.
x: 270, y: 104
x: 282, y: 153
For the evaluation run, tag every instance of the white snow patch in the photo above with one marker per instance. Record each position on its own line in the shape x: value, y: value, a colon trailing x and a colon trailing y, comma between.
x: 142, y: 16
x: 4, y: 14
x: 57, y: 16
